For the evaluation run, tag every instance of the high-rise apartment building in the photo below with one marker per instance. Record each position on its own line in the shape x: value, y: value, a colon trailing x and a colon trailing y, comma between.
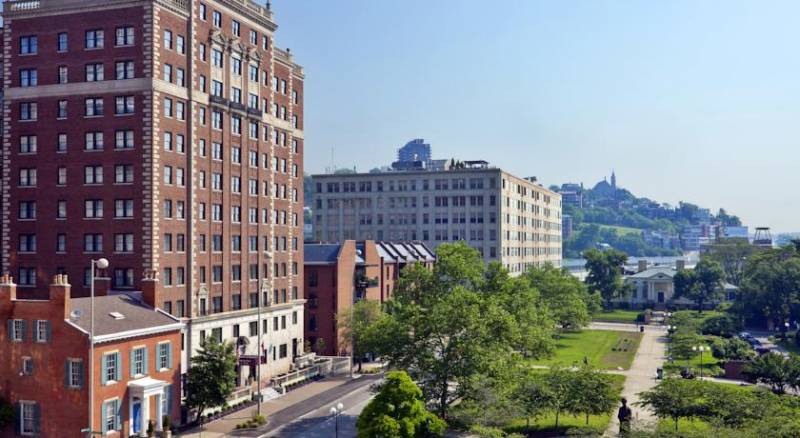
x: 512, y: 220
x: 166, y: 136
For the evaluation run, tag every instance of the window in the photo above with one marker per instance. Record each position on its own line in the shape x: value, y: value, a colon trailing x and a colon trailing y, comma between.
x: 27, y: 365
x: 217, y: 19
x: 94, y: 107
x: 167, y: 76
x: 216, y: 120
x: 180, y: 77
x: 63, y: 74
x: 180, y: 110
x: 27, y: 177
x: 216, y: 88
x: 27, y: 144
x: 27, y: 243
x: 27, y: 210
x: 125, y: 36
x: 235, y: 28
x: 216, y: 58
x: 180, y: 44
x: 124, y: 105
x: 61, y: 145
x: 111, y: 368
x: 253, y: 73
x: 139, y: 362
x: 216, y: 151
x: 28, y: 45
x: 94, y: 72
x: 17, y: 330
x: 29, y: 418
x: 124, y: 70
x: 61, y: 209
x: 28, y: 77
x: 92, y: 242
x: 62, y: 110
x: 167, y: 209
x: 74, y: 373
x: 168, y: 141
x: 62, y: 42
x: 93, y: 208
x: 61, y: 242
x: 123, y: 277
x: 236, y: 66
x: 124, y: 139
x: 111, y: 416
x: 167, y: 39
x: 167, y: 107
x: 283, y: 351
x: 93, y: 175
x: 164, y: 356
x: 123, y: 173
x: 28, y: 111
x: 123, y: 242
x: 202, y: 12
x: 123, y: 208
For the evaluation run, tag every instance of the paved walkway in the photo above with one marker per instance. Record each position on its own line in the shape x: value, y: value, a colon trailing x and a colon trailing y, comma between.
x: 284, y: 409
x: 641, y: 376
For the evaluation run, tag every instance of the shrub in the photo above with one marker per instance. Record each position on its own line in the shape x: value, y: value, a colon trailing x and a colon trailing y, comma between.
x: 721, y: 325
x: 732, y: 349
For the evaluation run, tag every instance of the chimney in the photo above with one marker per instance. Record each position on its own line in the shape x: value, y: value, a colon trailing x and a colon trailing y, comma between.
x: 101, y: 286
x: 8, y: 290
x: 680, y: 264
x: 151, y: 291
x: 642, y: 266
x: 60, y: 293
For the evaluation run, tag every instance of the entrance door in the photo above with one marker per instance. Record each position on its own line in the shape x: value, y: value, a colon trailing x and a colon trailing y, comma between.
x: 136, y: 421
x: 294, y: 348
x: 661, y: 297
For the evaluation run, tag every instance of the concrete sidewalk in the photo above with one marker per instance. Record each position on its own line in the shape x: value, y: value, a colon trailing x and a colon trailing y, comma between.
x: 641, y: 376
x: 283, y: 409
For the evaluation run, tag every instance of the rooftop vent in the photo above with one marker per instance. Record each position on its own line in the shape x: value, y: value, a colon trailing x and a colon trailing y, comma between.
x: 116, y: 315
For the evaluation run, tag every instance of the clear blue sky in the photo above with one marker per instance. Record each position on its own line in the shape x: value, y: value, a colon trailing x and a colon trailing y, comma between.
x: 686, y: 100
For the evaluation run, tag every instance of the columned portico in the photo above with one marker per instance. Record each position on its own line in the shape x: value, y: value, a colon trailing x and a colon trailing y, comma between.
x: 139, y: 393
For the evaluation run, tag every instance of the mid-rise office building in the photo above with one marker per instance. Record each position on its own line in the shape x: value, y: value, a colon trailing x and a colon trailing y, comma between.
x: 512, y: 220
x: 165, y: 136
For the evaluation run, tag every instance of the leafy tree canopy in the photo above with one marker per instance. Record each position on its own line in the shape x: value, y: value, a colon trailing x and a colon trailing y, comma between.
x: 212, y: 377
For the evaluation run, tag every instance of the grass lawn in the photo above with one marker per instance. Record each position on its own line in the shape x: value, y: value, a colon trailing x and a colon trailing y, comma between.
x: 694, y: 426
x: 711, y: 365
x: 598, y: 346
x: 545, y: 426
x: 617, y: 315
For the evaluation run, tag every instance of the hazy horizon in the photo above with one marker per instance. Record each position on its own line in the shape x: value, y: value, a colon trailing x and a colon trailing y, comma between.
x: 686, y: 101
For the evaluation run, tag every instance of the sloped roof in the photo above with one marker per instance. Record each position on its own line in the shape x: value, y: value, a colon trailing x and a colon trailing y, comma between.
x: 321, y: 252
x: 135, y: 316
x: 652, y: 272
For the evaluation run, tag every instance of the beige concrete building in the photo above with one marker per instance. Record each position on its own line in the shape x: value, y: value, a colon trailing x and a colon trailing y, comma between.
x: 513, y: 220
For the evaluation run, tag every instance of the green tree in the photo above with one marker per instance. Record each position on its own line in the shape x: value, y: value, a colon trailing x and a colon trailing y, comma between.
x: 732, y: 255
x: 397, y: 410
x: 212, y: 376
x: 355, y: 326
x: 774, y: 370
x: 771, y: 284
x: 566, y: 297
x: 594, y: 393
x: 459, y: 322
x: 701, y: 284
x: 732, y: 349
x: 533, y: 396
x: 674, y: 398
x: 6, y: 413
x: 561, y: 391
x: 605, y: 273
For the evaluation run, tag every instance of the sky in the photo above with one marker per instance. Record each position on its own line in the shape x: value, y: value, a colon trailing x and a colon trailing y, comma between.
x: 695, y: 101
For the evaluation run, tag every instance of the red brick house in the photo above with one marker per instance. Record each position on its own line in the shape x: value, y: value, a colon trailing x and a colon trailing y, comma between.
x: 339, y: 274
x: 45, y: 373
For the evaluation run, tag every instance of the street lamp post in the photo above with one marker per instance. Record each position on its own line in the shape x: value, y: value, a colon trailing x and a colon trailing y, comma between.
x: 336, y: 411
x: 701, y: 349
x: 101, y: 263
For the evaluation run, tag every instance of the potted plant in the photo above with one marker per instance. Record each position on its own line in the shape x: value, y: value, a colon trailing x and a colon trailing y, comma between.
x: 151, y: 429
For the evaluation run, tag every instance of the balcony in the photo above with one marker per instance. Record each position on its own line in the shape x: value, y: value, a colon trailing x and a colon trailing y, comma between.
x: 218, y: 100
x: 362, y: 281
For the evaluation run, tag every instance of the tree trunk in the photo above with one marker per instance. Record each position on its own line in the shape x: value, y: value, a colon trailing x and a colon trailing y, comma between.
x: 587, y: 418
x: 557, y: 412
x: 443, y: 402
x: 676, y: 424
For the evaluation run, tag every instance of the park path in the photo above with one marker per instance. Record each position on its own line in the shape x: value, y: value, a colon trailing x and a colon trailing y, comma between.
x: 641, y: 375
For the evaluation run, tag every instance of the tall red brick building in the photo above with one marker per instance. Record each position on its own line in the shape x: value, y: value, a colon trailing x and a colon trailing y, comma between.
x: 166, y: 136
